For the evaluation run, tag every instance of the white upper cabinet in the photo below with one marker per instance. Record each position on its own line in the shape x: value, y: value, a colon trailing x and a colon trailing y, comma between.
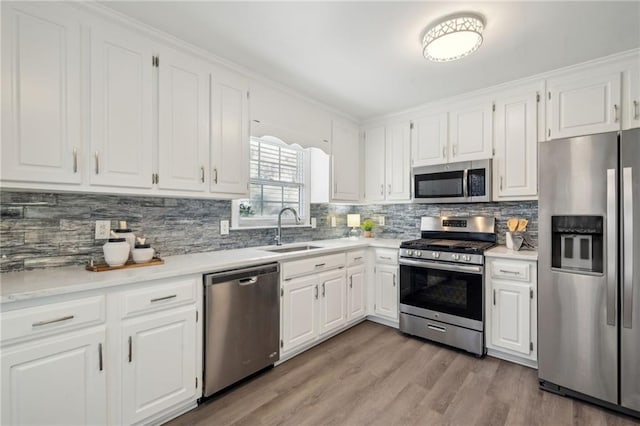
x: 40, y: 94
x: 515, y: 162
x: 345, y: 169
x: 470, y: 131
x: 229, y: 133
x: 374, y: 158
x: 430, y: 140
x: 121, y: 108
x: 631, y: 97
x: 388, y: 162
x: 398, y: 156
x: 292, y: 119
x: 583, y: 103
x: 183, y: 127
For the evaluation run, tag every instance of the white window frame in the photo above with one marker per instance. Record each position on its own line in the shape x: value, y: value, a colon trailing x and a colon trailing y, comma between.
x: 288, y: 221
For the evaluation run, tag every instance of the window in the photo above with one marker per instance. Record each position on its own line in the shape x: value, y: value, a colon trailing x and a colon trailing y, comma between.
x: 277, y: 176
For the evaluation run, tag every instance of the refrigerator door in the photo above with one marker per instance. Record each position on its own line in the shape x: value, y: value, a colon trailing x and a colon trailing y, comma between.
x: 630, y: 269
x: 577, y: 324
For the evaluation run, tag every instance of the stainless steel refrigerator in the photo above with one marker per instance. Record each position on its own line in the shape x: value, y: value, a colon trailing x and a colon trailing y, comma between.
x: 589, y: 269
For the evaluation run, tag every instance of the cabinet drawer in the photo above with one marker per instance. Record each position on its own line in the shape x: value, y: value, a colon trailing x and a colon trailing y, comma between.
x: 312, y: 265
x: 511, y: 270
x: 49, y: 319
x: 158, y: 297
x: 355, y: 257
x: 387, y: 256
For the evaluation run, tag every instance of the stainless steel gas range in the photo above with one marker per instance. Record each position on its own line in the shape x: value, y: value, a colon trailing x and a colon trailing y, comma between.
x: 442, y: 281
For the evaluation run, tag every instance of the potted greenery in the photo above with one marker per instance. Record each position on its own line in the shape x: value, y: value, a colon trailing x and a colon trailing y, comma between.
x: 367, y: 226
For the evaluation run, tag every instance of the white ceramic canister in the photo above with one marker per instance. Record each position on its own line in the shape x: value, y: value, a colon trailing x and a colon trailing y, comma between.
x: 128, y: 235
x: 116, y: 251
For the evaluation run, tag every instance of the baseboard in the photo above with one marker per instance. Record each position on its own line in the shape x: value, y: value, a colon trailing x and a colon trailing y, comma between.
x: 171, y: 414
x: 512, y: 358
x: 384, y: 321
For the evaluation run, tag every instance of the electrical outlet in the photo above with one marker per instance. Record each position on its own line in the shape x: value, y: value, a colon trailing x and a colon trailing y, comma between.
x: 103, y: 229
x: 381, y: 220
x: 333, y: 221
x: 224, y: 227
x: 313, y: 223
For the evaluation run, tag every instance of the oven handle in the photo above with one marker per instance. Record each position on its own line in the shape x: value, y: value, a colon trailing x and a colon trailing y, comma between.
x: 442, y: 266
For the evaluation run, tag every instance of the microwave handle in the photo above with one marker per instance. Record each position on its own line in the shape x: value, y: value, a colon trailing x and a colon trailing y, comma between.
x: 465, y: 183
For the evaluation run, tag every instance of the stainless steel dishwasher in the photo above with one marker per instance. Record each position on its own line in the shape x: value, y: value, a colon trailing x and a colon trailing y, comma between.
x: 242, y: 324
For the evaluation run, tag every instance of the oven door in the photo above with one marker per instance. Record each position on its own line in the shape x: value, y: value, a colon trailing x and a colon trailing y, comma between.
x: 441, y: 291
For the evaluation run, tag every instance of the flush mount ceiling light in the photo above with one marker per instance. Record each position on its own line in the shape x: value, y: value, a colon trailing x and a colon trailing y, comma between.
x: 453, y: 38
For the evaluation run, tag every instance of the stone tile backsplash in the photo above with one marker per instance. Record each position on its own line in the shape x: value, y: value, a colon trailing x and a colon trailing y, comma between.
x: 40, y: 230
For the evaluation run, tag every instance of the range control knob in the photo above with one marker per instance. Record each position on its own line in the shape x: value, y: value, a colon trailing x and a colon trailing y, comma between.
x: 435, y: 254
x: 418, y: 253
x: 466, y: 258
x: 455, y: 256
x: 409, y: 252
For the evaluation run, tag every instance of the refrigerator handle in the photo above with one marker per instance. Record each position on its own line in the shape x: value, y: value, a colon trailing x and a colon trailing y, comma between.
x: 627, y: 247
x: 611, y: 246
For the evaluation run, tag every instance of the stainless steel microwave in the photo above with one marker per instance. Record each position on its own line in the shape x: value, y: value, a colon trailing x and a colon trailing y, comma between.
x: 465, y: 182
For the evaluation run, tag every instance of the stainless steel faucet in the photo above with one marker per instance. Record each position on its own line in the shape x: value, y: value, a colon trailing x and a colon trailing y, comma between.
x: 279, y: 234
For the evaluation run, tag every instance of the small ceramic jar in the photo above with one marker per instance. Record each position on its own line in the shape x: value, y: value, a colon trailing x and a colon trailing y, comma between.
x: 128, y: 235
x: 116, y: 251
x: 143, y: 253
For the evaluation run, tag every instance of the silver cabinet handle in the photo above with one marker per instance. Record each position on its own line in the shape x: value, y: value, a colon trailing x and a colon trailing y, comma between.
x: 335, y: 188
x: 100, y: 356
x: 436, y: 328
x: 505, y: 271
x: 355, y: 259
x: 351, y: 281
x: 615, y: 110
x: 160, y: 299
x: 323, y: 290
x: 41, y: 323
x: 316, y: 291
x: 248, y: 281
x: 389, y: 189
x: 215, y: 176
x: 444, y: 152
x: 494, y: 297
x: 130, y: 349
x: 75, y: 160
x: 636, y: 110
x: 385, y: 258
x: 202, y: 174
x: 500, y: 183
x: 394, y: 280
x: 97, y: 156
x: 455, y: 150
x: 627, y: 235
x: 612, y: 227
x: 320, y: 265
x: 381, y: 189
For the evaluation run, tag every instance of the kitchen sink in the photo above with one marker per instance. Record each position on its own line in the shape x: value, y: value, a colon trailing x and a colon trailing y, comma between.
x: 289, y: 249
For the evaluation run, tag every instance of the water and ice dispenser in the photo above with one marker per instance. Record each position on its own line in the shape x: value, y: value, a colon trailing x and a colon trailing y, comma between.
x: 577, y: 243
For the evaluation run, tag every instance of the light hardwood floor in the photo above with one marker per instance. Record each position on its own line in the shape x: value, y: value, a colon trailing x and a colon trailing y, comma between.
x: 375, y: 375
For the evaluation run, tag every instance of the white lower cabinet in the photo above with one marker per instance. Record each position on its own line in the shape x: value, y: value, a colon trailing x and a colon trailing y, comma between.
x: 299, y: 312
x: 159, y: 368
x: 56, y: 380
x: 333, y: 295
x: 387, y: 291
x: 356, y: 292
x: 511, y: 317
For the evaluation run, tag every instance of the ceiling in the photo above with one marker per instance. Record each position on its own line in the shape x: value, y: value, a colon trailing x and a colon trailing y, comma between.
x: 365, y: 58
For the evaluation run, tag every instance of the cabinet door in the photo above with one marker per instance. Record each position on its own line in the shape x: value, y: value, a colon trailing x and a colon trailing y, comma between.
x: 56, y: 381
x: 583, y: 104
x: 356, y: 296
x: 159, y: 362
x: 429, y: 140
x: 387, y: 291
x: 345, y: 169
x: 40, y: 94
x: 398, y: 162
x: 121, y: 108
x: 511, y: 316
x: 374, y: 158
x: 229, y: 133
x: 183, y: 138
x: 333, y: 306
x: 471, y: 132
x: 631, y: 98
x: 515, y: 165
x: 299, y: 324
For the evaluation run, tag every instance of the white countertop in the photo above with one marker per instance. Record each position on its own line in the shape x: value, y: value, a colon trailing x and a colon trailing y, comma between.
x: 16, y: 286
x: 505, y: 253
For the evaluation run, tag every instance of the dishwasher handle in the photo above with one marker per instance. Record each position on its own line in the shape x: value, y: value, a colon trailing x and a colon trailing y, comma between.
x: 244, y: 276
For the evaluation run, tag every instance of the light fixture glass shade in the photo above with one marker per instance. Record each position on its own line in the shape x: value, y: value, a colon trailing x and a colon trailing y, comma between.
x: 453, y: 38
x: 353, y: 220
